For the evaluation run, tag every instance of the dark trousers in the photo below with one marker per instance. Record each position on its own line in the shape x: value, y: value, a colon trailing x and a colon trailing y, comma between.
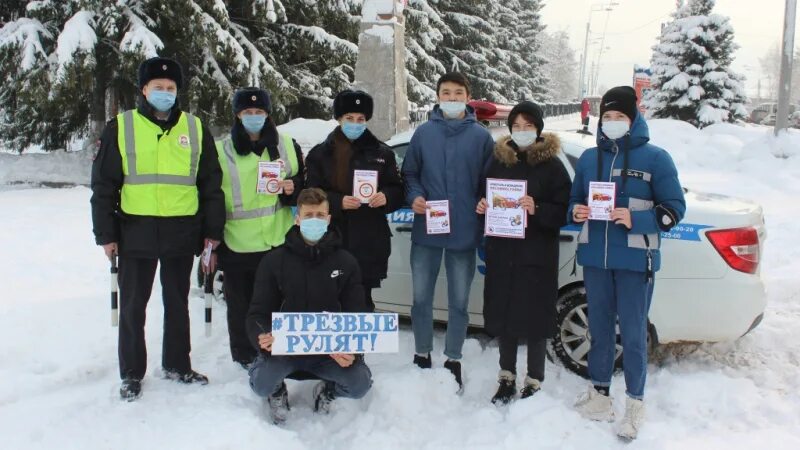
x: 135, y: 285
x: 268, y: 372
x: 536, y: 356
x: 238, y: 288
x: 368, y: 298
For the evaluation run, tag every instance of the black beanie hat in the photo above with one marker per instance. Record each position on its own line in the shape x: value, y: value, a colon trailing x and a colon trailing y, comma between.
x: 251, y: 97
x: 622, y: 99
x: 349, y: 101
x: 159, y: 67
x: 530, y: 109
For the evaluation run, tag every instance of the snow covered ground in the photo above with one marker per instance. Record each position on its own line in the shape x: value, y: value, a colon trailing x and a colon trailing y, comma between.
x: 58, y: 366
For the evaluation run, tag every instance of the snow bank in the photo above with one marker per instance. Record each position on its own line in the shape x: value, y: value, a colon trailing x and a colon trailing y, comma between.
x: 308, y: 132
x: 56, y: 167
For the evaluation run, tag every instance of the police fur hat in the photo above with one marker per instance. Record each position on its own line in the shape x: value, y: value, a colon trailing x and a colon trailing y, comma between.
x: 159, y: 67
x: 350, y: 101
x: 251, y: 97
x: 530, y: 109
x: 622, y: 99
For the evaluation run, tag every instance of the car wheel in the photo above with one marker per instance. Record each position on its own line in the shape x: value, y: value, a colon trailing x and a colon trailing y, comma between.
x: 572, y: 340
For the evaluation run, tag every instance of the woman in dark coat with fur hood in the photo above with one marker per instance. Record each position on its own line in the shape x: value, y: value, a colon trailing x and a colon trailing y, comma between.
x: 521, y: 285
x: 330, y: 166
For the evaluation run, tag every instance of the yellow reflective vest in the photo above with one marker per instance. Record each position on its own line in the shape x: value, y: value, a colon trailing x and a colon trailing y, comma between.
x: 254, y: 222
x: 159, y: 168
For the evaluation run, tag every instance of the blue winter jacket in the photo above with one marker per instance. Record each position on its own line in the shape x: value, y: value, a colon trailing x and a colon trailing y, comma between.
x: 651, y: 191
x: 445, y: 161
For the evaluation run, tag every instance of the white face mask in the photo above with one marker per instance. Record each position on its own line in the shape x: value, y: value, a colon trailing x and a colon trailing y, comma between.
x: 524, y: 138
x: 615, y: 129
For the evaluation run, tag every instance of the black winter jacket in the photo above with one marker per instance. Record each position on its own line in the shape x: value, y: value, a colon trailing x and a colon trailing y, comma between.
x: 521, y: 284
x: 365, y: 231
x: 297, y: 277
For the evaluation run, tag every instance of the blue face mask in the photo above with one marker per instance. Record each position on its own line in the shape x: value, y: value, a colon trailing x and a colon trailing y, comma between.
x: 313, y: 229
x: 253, y: 123
x: 352, y: 130
x: 161, y: 100
x: 452, y: 110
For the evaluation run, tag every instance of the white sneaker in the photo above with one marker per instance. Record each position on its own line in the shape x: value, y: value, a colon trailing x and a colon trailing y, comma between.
x: 595, y: 406
x: 633, y: 420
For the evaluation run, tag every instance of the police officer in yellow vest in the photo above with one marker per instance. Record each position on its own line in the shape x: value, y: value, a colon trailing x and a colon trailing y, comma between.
x: 156, y: 197
x: 262, y: 174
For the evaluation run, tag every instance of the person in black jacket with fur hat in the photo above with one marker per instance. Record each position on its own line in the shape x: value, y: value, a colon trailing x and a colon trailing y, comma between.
x: 311, y: 272
x: 521, y: 285
x: 256, y: 221
x: 330, y: 166
x: 156, y: 211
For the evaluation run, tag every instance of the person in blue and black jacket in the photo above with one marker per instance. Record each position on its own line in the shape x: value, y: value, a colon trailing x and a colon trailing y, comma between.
x: 620, y: 257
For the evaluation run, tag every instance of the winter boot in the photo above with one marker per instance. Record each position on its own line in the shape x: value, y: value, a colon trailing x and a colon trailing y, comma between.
x: 423, y: 362
x: 532, y: 386
x: 279, y: 405
x: 633, y: 420
x: 323, y: 397
x: 189, y: 377
x: 131, y: 389
x: 506, y: 390
x: 454, y: 367
x: 595, y: 406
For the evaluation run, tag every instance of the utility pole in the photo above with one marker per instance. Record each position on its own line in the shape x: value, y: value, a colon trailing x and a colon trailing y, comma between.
x: 596, y: 7
x: 787, y: 52
x: 582, y: 83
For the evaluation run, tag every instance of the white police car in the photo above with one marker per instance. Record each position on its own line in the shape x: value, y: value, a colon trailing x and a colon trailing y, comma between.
x: 708, y: 288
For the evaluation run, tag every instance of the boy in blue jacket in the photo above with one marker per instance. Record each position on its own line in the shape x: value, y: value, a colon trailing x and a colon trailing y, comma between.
x: 620, y: 256
x: 445, y: 161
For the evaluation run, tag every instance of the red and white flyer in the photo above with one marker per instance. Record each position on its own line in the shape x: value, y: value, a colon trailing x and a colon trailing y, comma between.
x: 601, y: 200
x: 365, y: 184
x: 437, y: 217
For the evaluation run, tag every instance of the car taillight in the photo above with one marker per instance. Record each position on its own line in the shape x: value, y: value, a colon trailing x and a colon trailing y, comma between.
x: 739, y: 247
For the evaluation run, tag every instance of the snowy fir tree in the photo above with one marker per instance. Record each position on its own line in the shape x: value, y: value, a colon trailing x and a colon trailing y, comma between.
x: 692, y: 80
x: 71, y: 65
x: 561, y: 66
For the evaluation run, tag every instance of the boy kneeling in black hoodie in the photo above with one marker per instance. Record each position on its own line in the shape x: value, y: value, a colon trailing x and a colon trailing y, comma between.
x: 309, y: 273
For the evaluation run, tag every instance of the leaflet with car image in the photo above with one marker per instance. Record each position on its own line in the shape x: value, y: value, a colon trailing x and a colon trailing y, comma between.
x: 601, y: 200
x: 437, y: 216
x: 505, y: 217
x: 270, y: 175
x: 365, y: 184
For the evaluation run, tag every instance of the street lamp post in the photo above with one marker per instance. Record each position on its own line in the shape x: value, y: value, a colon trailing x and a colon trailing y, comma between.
x: 596, y: 7
x: 784, y: 85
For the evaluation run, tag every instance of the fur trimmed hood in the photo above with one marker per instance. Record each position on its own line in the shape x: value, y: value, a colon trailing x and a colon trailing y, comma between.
x: 505, y: 150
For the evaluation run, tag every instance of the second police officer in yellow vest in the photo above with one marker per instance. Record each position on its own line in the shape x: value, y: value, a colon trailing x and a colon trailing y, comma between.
x: 256, y: 216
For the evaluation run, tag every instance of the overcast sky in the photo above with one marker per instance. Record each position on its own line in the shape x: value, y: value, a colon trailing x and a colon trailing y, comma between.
x: 634, y: 25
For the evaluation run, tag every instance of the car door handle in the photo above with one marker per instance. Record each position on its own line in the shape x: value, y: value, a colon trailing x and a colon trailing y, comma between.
x: 404, y: 229
x: 566, y: 237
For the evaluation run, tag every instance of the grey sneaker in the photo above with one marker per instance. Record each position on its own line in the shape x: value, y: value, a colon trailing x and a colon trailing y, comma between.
x: 323, y: 397
x: 279, y: 405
